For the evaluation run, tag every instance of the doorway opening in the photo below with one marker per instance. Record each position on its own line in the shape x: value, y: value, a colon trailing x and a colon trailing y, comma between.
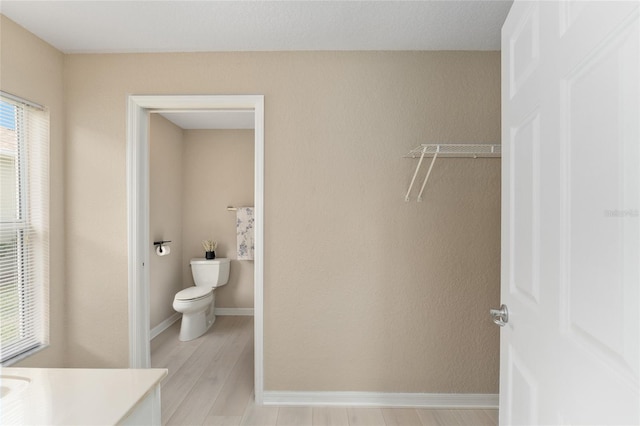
x: 139, y: 109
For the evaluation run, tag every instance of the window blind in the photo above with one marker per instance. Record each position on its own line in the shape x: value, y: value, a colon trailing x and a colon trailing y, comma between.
x: 24, y: 228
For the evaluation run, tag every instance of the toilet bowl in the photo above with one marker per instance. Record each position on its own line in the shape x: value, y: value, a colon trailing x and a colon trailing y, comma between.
x: 197, y: 303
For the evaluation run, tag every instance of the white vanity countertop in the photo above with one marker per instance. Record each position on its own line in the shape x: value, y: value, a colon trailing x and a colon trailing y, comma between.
x: 73, y: 396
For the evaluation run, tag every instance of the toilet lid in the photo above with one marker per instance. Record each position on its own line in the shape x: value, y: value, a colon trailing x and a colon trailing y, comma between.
x: 194, y: 292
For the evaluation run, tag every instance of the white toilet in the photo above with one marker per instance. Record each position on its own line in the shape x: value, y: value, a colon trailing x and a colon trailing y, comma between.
x: 197, y: 304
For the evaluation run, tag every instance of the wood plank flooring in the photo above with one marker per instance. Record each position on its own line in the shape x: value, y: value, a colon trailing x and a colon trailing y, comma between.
x: 210, y: 382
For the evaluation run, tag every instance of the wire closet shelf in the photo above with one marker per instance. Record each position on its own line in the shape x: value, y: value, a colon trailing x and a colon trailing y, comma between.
x: 448, y: 151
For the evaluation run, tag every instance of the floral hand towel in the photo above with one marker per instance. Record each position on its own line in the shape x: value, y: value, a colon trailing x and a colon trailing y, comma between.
x: 244, y: 231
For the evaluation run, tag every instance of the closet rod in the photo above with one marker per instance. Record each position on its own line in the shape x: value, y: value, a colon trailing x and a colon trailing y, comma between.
x: 233, y: 209
x: 461, y: 150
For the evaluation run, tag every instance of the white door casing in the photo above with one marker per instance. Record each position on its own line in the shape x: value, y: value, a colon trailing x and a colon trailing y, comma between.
x: 570, y: 213
x: 138, y: 110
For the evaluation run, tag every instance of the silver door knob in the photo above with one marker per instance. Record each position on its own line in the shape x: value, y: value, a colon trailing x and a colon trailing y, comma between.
x: 500, y: 316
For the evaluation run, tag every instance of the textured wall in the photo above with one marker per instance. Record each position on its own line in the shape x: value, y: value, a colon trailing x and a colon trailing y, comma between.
x: 33, y: 70
x: 363, y: 291
x: 218, y: 172
x: 165, y: 215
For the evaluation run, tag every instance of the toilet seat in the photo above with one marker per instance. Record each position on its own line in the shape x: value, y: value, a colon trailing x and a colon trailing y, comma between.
x: 193, y: 293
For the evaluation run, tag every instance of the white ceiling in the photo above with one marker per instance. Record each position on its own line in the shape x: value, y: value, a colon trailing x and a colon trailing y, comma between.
x: 220, y: 119
x: 192, y: 26
x: 110, y: 26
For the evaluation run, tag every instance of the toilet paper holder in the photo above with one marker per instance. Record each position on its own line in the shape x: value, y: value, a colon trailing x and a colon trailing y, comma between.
x: 160, y: 249
x: 160, y: 243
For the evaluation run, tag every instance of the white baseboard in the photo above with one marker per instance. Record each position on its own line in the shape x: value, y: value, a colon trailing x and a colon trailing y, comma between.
x: 164, y: 325
x: 375, y: 399
x: 234, y: 311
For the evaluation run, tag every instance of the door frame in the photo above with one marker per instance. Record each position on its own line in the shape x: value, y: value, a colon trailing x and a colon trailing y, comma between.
x: 138, y: 110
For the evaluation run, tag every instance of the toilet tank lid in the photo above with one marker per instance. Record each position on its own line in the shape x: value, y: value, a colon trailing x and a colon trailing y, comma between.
x: 203, y: 261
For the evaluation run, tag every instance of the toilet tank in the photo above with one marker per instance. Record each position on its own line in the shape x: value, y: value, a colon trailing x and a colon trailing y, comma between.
x: 210, y: 272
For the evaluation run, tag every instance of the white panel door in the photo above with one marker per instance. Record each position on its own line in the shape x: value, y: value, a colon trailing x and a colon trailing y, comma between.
x: 571, y: 213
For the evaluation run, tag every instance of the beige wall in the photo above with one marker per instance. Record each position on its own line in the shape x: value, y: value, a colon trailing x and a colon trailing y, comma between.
x: 33, y: 70
x: 218, y: 167
x: 165, y: 215
x: 363, y: 291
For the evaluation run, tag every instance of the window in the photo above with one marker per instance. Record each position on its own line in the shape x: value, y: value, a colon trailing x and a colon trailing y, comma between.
x: 24, y: 228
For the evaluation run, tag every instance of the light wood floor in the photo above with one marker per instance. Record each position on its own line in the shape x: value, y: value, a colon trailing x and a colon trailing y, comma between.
x: 210, y: 382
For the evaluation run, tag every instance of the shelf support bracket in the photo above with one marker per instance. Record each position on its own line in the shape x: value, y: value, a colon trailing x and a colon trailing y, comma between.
x: 413, y: 179
x: 426, y: 178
